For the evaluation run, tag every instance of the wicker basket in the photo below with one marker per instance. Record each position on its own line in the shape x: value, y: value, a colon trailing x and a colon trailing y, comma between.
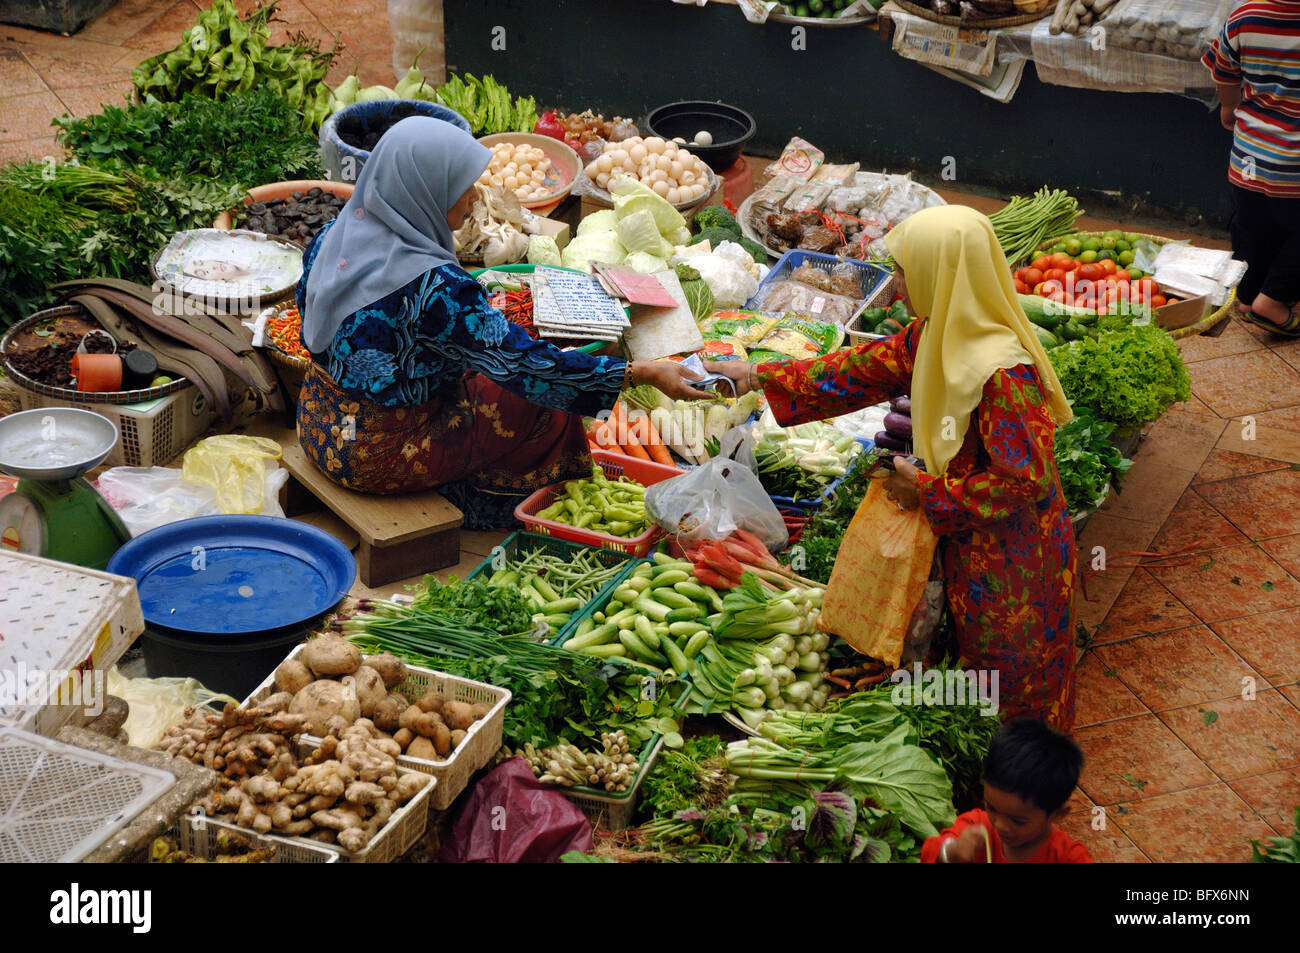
x: 481, y: 743
x: 991, y: 23
x: 880, y: 298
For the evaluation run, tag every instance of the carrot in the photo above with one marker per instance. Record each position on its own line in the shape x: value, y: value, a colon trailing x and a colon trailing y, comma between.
x: 710, y: 578
x: 838, y: 681
x: 624, y: 435
x: 650, y: 438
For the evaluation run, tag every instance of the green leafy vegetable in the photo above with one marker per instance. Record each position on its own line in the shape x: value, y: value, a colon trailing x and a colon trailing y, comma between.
x: 1127, y: 377
x: 1087, y: 460
x: 1278, y: 850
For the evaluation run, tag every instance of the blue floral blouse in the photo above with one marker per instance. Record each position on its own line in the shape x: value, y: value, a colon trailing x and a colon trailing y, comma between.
x: 416, y: 345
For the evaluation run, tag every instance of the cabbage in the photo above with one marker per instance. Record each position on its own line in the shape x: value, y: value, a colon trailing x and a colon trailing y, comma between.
x: 630, y: 196
x: 639, y: 261
x: 602, y: 221
x: 637, y: 233
x: 542, y: 250
x: 680, y: 237
x: 731, y: 284
x: 601, y: 246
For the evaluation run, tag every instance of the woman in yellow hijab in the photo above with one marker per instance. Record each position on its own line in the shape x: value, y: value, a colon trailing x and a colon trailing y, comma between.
x: 985, y: 405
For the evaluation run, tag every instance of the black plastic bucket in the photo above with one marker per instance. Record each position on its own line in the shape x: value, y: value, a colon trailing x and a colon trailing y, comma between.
x: 730, y: 128
x: 231, y: 664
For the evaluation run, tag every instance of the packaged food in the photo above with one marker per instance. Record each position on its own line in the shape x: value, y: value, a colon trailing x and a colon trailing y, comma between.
x: 811, y: 275
x: 800, y: 158
x: 747, y: 327
x: 793, y: 297
x: 837, y: 175
x: 810, y: 196
x: 724, y: 348
x: 794, y: 338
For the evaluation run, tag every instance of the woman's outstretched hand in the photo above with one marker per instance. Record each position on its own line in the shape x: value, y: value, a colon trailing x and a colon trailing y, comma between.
x: 670, y: 378
x: 740, y: 372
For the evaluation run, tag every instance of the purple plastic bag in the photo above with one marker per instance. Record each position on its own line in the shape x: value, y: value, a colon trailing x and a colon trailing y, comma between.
x: 512, y: 818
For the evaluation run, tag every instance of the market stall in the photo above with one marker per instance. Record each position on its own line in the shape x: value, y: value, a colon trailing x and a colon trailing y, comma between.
x: 647, y: 670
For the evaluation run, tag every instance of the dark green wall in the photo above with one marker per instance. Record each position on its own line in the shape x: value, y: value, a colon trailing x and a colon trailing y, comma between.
x: 854, y: 98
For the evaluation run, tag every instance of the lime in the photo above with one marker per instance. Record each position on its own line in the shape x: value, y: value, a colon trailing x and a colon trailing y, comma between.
x: 1089, y: 256
x: 1121, y: 245
x: 1073, y: 246
x: 1126, y: 256
x: 1132, y: 237
x: 1058, y: 248
x: 1108, y: 242
x: 1091, y: 244
x: 160, y: 380
x: 1136, y: 273
x: 801, y: 10
x: 1114, y: 233
x: 1106, y: 253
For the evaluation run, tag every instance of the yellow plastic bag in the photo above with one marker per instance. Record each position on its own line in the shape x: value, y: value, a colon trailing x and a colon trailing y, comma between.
x: 879, y: 576
x: 235, y: 466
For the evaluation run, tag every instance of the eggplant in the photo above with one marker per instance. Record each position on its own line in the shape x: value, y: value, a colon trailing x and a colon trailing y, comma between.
x: 899, y: 425
x: 901, y: 405
x: 887, y: 441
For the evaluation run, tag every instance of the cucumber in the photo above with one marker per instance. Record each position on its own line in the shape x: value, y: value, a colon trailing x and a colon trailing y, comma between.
x: 636, y: 583
x: 655, y: 610
x: 605, y: 651
x: 571, y: 604
x: 676, y: 658
x: 684, y: 615
x: 645, y: 631
x: 672, y: 599
x: 585, y: 626
x: 557, y: 620
x: 696, y: 643
x: 622, y: 618
x: 1046, y: 338
x: 544, y: 588
x: 643, y: 571
x: 626, y: 594
x: 693, y: 590
x: 686, y: 628
x: 636, y: 647
x: 669, y: 578
x: 600, y: 635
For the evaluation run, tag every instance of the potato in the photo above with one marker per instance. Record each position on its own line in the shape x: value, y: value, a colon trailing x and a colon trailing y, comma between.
x: 480, y: 710
x: 430, y: 701
x: 422, y: 748
x: 387, y: 715
x: 331, y: 655
x: 408, y: 717
x: 427, y: 724
x: 457, y: 737
x: 442, y: 739
x: 370, y: 689
x: 404, y: 737
x: 323, y: 700
x: 390, y: 668
x: 293, y: 676
x: 458, y: 715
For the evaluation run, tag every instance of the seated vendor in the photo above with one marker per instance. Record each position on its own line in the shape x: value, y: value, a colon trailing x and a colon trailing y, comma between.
x: 416, y: 381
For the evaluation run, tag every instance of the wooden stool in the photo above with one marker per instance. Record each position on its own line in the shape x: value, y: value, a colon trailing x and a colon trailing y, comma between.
x: 401, y: 536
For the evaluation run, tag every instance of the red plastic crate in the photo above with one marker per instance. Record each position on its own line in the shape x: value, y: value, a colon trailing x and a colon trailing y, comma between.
x: 615, y: 465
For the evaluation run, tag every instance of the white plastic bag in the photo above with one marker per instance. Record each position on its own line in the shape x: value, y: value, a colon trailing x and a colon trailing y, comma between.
x: 719, y: 497
x: 148, y: 497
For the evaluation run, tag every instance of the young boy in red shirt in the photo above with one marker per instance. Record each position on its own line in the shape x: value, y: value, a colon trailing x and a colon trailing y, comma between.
x: 1029, y: 775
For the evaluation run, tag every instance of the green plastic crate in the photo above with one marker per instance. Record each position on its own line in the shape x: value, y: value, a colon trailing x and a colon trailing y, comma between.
x: 526, y: 542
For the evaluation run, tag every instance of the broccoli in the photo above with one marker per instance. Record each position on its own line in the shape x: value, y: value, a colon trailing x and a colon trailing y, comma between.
x: 715, y: 237
x: 756, y: 251
x: 715, y: 216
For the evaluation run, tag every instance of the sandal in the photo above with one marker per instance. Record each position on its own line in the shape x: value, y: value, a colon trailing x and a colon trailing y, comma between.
x: 1289, y: 328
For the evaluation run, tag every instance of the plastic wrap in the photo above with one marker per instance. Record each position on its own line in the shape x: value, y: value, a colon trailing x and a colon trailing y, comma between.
x: 158, y: 703
x: 1181, y: 29
x: 798, y: 298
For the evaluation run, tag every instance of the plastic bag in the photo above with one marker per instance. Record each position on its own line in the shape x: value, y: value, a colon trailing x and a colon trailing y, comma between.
x: 798, y: 298
x: 880, y: 576
x: 925, y: 617
x: 510, y: 818
x: 235, y: 466
x: 148, y: 497
x: 717, y: 498
x: 158, y: 703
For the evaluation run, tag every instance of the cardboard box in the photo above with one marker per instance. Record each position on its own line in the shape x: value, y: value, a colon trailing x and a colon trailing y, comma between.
x: 557, y: 230
x: 1183, y: 313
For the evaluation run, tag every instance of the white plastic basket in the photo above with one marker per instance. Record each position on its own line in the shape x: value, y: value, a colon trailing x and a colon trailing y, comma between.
x: 198, y: 836
x: 150, y: 434
x: 59, y: 618
x: 59, y: 802
x: 482, y: 740
x: 613, y: 812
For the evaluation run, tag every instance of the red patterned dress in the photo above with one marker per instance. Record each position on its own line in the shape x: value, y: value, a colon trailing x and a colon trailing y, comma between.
x: 1006, y: 543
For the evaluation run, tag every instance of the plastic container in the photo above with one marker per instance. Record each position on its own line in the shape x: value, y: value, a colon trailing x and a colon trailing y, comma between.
x: 614, y: 466
x: 197, y: 835
x: 563, y: 159
x: 482, y: 740
x: 233, y: 664
x: 97, y: 373
x: 809, y: 506
x: 730, y: 128
x: 870, y: 276
x: 283, y: 190
x: 524, y: 542
x: 342, y: 162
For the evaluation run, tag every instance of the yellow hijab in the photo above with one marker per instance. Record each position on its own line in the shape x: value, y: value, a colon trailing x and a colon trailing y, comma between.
x: 957, y: 277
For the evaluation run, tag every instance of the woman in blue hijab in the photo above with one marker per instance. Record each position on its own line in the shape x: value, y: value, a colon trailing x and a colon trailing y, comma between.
x: 416, y: 381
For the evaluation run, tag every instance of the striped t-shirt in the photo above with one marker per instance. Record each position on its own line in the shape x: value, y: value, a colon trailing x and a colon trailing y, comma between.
x: 1260, y: 48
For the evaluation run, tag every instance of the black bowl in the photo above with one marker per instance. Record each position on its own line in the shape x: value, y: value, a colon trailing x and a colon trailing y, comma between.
x: 730, y: 127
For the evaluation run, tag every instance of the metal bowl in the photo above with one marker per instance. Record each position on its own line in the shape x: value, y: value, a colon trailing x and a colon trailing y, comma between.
x: 54, y: 443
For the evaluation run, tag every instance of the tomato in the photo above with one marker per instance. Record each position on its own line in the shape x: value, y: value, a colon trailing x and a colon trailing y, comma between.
x: 1091, y: 272
x: 1085, y: 287
x: 1108, y: 266
x: 1042, y: 264
x: 1058, y: 296
x: 1158, y: 300
x: 1061, y: 260
x: 1121, y: 275
x: 1149, y: 285
x: 1032, y: 276
x: 1021, y: 287
x: 1049, y: 288
x: 1085, y: 301
x: 1054, y: 274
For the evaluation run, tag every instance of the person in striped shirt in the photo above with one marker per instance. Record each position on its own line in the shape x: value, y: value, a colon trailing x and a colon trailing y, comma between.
x: 1255, y: 62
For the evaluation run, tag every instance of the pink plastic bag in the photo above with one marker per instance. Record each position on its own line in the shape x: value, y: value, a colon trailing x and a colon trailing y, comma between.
x: 512, y: 818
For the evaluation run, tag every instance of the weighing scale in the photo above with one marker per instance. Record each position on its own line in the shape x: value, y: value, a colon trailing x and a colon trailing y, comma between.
x: 54, y: 512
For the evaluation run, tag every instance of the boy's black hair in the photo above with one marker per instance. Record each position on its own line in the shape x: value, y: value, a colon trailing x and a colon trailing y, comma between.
x: 1030, y: 760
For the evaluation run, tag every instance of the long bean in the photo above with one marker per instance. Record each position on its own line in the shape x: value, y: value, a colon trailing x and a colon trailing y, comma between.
x: 1023, y: 223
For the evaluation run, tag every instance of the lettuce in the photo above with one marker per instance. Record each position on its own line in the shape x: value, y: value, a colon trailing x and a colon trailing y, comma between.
x: 542, y: 250
x: 603, y: 221
x: 1126, y: 377
x: 646, y: 264
x: 637, y: 233
x: 601, y: 246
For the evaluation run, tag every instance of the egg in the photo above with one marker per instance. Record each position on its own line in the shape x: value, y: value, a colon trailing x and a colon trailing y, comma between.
x: 661, y: 189
x: 637, y: 152
x: 655, y: 144
x: 674, y: 196
x: 604, y: 163
x: 619, y: 157
x: 511, y: 182
x: 704, y: 138
x: 593, y: 170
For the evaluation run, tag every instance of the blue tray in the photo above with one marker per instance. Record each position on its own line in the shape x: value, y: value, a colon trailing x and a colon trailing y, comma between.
x: 810, y: 505
x: 870, y: 276
x: 235, y: 574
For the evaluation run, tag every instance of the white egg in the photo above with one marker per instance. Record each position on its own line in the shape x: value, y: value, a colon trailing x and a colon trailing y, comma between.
x: 593, y: 170
x: 687, y: 177
x: 605, y: 163
x: 655, y: 144
x: 661, y: 189
x: 704, y: 138
x: 619, y: 156
x: 637, y: 152
x: 676, y: 170
x: 511, y: 182
x: 674, y: 196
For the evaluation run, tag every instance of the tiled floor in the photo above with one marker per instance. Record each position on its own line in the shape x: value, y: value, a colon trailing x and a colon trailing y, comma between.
x: 1189, y: 696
